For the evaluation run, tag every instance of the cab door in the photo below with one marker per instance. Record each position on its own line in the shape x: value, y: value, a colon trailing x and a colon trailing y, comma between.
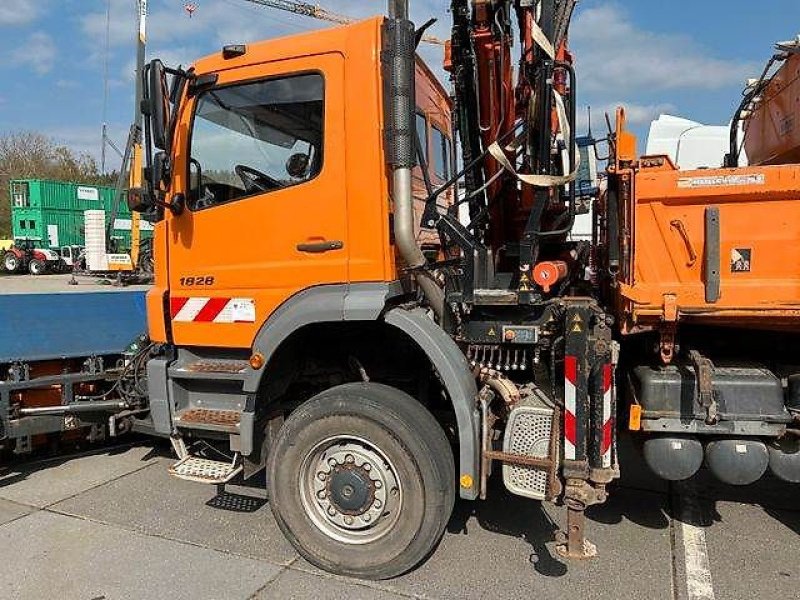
x: 266, y: 202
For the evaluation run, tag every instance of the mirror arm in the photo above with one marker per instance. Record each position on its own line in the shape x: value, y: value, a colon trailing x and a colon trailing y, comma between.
x: 176, y: 206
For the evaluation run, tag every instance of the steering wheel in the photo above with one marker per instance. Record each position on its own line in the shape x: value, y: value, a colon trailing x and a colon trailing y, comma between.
x: 256, y: 181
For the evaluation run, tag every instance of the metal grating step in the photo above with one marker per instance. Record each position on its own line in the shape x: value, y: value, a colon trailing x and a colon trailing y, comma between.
x: 204, y: 470
x: 217, y: 366
x: 232, y: 370
x: 209, y: 420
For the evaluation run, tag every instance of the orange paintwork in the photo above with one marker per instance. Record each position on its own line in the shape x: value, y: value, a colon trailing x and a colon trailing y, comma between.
x: 772, y: 132
x: 249, y: 246
x: 663, y: 223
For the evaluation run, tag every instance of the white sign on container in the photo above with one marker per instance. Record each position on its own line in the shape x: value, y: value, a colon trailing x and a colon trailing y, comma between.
x: 88, y: 193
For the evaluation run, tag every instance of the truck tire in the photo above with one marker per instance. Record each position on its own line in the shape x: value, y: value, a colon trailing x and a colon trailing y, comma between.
x: 361, y: 481
x: 36, y: 267
x: 10, y: 262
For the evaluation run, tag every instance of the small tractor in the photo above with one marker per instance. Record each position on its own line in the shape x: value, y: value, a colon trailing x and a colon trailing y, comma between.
x: 24, y: 256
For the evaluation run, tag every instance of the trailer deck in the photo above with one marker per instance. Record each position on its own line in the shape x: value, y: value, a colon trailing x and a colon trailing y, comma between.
x: 45, y: 318
x: 58, y: 338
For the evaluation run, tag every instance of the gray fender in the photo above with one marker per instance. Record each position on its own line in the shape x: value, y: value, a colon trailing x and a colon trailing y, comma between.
x: 366, y: 302
x: 452, y: 367
x: 320, y: 304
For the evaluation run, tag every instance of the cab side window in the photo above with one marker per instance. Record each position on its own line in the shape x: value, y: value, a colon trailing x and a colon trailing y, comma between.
x: 256, y: 138
x: 441, y: 153
x: 422, y: 134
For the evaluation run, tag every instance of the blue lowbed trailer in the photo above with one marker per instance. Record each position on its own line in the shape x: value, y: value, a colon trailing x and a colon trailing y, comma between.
x: 60, y: 353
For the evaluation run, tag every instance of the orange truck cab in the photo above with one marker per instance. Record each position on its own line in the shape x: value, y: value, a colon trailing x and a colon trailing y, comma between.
x: 282, y: 168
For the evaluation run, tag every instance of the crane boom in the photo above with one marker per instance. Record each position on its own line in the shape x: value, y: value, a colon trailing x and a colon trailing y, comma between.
x: 317, y: 12
x: 305, y: 9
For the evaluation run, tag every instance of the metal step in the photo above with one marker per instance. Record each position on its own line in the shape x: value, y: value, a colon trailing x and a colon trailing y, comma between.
x: 229, y: 370
x: 204, y: 470
x: 209, y: 420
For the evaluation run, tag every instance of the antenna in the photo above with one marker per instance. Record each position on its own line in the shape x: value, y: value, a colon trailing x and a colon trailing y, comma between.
x: 589, y: 110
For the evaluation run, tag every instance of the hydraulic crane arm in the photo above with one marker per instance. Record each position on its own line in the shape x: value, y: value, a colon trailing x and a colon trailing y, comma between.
x: 519, y: 122
x: 306, y: 9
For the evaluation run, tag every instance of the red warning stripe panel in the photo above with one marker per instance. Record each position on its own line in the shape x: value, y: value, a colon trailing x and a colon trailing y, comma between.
x: 608, y: 417
x: 571, y: 369
x: 176, y: 304
x: 570, y: 427
x: 606, y: 378
x: 570, y: 422
x: 211, y: 309
x: 608, y: 430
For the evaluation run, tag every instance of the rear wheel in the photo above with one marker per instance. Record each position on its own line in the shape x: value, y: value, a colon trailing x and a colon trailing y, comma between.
x: 36, y: 267
x: 10, y: 262
x: 361, y: 481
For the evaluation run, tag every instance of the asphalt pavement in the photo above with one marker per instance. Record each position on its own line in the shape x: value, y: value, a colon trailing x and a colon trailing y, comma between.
x: 112, y: 524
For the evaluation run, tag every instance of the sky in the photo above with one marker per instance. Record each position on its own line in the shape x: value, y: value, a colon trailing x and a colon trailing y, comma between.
x: 687, y: 58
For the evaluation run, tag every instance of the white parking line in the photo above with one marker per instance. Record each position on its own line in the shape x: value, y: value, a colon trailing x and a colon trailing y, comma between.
x: 699, y: 585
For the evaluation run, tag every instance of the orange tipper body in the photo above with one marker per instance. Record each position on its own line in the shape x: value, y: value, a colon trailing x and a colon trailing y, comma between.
x: 772, y: 130
x: 706, y: 246
x: 222, y: 271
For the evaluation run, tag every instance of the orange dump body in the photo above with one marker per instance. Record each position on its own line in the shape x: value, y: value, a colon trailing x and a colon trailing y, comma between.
x: 708, y: 246
x: 772, y: 132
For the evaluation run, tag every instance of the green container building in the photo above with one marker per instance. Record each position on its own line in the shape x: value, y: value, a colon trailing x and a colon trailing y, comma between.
x: 50, y: 213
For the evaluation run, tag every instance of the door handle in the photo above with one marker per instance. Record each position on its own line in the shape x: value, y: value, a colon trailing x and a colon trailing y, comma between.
x: 319, y: 247
x: 678, y: 225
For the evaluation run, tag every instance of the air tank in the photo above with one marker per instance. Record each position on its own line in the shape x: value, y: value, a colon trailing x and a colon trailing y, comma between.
x: 737, y: 461
x: 673, y: 458
x: 784, y: 459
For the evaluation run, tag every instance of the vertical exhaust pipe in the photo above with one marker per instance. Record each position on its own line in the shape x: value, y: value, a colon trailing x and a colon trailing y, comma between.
x: 399, y: 52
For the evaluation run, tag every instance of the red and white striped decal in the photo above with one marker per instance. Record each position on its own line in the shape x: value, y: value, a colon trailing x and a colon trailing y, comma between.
x: 212, y: 310
x: 570, y: 423
x: 608, y: 419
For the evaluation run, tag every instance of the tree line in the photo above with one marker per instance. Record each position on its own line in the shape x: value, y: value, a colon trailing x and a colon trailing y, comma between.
x: 32, y: 155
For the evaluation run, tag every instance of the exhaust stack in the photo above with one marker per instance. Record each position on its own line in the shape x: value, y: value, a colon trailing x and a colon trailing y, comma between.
x: 399, y: 73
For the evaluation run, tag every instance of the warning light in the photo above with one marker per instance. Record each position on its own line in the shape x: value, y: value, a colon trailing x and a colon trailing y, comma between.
x: 635, y: 417
x: 466, y: 481
x: 257, y: 361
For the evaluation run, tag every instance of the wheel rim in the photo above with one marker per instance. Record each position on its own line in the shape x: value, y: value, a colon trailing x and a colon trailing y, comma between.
x: 11, y: 263
x: 350, y: 490
x: 36, y: 268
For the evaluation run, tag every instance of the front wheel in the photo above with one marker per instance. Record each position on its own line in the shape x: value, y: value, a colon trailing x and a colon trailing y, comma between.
x: 362, y: 481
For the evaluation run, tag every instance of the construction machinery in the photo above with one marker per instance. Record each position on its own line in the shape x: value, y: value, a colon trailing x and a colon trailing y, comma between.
x: 376, y: 354
x: 360, y: 309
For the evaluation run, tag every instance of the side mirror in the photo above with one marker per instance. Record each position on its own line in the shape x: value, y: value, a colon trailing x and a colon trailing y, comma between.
x: 160, y: 170
x: 158, y: 97
x: 138, y: 200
